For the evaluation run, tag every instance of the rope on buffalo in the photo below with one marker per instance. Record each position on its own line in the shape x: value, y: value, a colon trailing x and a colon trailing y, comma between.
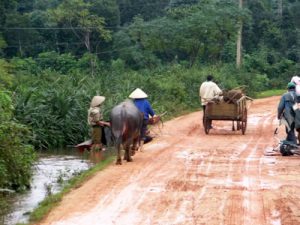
x: 156, y: 125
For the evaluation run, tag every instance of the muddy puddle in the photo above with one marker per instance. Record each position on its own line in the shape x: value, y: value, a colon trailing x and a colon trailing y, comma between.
x: 50, y: 173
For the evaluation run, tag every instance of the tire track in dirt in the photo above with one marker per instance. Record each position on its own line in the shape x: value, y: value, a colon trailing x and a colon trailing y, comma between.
x: 251, y: 197
x: 251, y: 202
x: 230, y: 182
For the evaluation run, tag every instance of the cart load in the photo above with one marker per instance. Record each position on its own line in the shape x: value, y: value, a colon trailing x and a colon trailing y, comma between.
x: 231, y: 106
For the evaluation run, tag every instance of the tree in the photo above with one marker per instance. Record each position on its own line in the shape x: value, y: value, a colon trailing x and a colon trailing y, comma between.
x: 279, y: 35
x: 15, y: 153
x: 6, y: 6
x: 193, y: 33
x: 148, y: 10
x: 107, y: 9
x: 20, y: 41
x: 76, y: 15
x: 239, y: 40
x: 279, y: 8
x: 180, y: 3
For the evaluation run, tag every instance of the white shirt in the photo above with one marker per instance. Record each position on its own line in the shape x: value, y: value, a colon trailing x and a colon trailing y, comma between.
x: 208, y: 90
x: 94, y: 115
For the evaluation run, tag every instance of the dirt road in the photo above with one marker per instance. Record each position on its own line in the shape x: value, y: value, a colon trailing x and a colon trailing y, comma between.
x: 187, y: 177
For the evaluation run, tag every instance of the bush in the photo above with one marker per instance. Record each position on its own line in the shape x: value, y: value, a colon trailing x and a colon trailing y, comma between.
x: 62, y: 63
x: 5, y: 78
x: 25, y: 66
x: 55, y: 108
x: 16, y: 156
x: 277, y: 69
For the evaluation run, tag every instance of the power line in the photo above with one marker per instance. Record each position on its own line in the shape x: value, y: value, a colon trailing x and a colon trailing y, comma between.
x: 160, y: 4
x: 49, y: 28
x: 116, y: 50
x: 79, y: 43
x: 56, y: 44
x: 43, y: 44
x: 79, y: 28
x: 67, y: 28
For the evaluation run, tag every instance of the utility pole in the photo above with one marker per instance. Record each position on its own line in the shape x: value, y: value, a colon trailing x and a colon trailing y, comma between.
x: 239, y: 40
x: 279, y: 8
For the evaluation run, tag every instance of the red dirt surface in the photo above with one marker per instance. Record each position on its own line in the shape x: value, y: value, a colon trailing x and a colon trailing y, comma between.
x: 187, y: 177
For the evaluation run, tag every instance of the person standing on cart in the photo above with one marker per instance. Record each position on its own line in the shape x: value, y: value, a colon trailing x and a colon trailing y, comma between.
x: 286, y: 113
x: 207, y: 91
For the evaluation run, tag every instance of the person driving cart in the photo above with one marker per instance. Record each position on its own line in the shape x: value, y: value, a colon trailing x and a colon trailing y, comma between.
x: 207, y: 91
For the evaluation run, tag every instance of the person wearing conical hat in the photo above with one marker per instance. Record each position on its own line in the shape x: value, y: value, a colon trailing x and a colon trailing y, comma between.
x: 95, y: 120
x: 141, y: 102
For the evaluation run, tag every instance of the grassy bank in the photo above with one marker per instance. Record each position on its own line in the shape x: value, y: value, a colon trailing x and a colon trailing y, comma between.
x: 270, y: 93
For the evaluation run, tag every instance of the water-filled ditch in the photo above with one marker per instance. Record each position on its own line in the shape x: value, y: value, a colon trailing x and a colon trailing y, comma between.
x: 50, y: 172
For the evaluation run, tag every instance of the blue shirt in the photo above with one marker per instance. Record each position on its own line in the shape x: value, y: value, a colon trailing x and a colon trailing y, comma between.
x: 144, y: 106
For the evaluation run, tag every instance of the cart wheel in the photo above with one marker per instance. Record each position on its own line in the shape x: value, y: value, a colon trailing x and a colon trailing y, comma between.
x: 206, y: 125
x: 244, y: 121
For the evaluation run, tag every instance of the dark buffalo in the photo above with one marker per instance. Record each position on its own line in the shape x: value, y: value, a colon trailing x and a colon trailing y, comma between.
x: 126, y: 123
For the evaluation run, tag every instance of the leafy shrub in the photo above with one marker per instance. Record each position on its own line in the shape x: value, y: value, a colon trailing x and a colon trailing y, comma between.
x: 54, y: 106
x: 16, y: 156
x: 276, y: 68
x: 59, y: 62
x: 25, y: 66
x: 5, y: 78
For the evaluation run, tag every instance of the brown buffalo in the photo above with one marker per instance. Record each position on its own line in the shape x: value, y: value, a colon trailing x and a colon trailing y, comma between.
x: 126, y: 123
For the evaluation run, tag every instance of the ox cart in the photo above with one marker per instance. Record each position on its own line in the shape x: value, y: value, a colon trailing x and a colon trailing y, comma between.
x: 233, y: 111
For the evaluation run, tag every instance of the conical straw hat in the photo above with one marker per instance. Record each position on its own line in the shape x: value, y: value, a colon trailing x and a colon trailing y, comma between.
x: 138, y: 93
x: 97, y: 100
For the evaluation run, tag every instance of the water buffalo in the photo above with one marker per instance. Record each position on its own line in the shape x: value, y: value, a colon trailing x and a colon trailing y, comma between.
x: 126, y: 123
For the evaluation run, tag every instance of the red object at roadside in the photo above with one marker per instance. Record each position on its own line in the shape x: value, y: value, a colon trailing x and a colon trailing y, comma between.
x: 86, y: 145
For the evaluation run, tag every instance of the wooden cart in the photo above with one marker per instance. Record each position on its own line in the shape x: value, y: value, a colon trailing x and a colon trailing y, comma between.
x: 227, y: 111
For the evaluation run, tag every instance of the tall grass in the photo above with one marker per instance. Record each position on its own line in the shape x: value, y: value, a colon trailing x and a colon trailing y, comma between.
x: 55, y: 105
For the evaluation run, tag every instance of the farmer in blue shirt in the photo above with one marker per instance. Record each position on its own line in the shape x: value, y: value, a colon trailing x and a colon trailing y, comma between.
x: 286, y: 112
x: 141, y: 102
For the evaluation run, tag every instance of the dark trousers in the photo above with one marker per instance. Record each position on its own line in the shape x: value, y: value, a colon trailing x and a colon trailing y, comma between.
x: 144, y: 129
x: 96, y: 134
x: 204, y: 107
x: 144, y: 132
x: 291, y: 134
x: 99, y: 135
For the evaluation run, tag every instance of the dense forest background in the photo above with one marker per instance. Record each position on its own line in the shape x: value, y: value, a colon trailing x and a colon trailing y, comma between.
x: 55, y: 55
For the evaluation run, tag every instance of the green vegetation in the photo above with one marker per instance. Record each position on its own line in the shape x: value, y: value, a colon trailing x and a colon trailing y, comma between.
x: 270, y: 93
x: 54, y: 105
x: 57, y: 54
x: 16, y: 155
